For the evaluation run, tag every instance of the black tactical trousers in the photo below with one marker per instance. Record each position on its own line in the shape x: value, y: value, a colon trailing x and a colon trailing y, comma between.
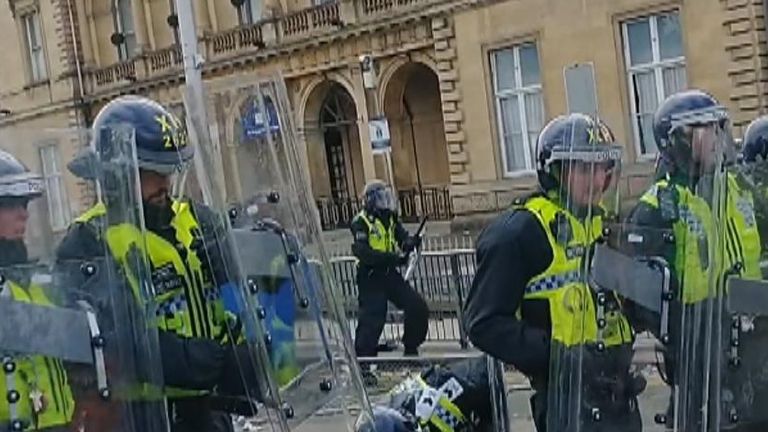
x: 375, y: 288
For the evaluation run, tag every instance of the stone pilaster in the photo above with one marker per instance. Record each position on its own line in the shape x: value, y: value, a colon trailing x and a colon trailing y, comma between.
x: 745, y: 43
x: 453, y: 118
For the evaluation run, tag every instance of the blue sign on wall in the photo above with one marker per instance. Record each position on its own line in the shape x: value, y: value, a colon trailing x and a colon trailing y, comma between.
x: 254, y: 123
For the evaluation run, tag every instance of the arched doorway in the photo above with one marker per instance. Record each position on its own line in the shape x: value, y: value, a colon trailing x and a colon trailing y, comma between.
x: 338, y: 124
x: 413, y: 107
x: 333, y: 152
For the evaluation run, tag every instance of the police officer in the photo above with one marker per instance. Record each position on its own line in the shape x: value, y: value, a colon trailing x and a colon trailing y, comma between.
x: 744, y: 392
x: 381, y: 244
x: 742, y: 231
x: 755, y: 166
x: 197, y: 337
x: 690, y: 130
x: 521, y: 308
x: 456, y: 398
x: 45, y: 400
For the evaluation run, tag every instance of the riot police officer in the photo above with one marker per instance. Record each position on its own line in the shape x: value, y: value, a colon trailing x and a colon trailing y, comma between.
x: 675, y: 223
x: 742, y: 391
x: 381, y: 244
x: 45, y: 400
x: 530, y: 304
x: 456, y: 398
x: 198, y: 339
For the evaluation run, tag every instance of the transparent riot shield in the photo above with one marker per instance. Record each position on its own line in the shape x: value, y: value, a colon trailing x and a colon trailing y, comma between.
x: 591, y: 340
x: 277, y: 279
x: 740, y: 390
x: 665, y: 261
x: 78, y: 339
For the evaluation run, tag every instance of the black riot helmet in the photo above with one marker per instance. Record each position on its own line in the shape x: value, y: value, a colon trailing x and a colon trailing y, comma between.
x: 755, y: 143
x: 572, y: 138
x: 161, y: 141
x: 678, y: 125
x: 378, y: 198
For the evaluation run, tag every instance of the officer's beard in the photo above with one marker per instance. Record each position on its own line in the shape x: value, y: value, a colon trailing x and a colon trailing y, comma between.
x: 158, y: 214
x: 12, y: 252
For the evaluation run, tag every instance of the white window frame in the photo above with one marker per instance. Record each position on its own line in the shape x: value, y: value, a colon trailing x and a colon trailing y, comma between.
x: 30, y: 22
x: 54, y: 183
x: 519, y: 93
x: 657, y: 65
x: 122, y: 50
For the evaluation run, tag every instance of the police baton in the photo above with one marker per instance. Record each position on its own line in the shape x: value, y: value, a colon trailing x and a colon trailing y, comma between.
x: 413, y: 259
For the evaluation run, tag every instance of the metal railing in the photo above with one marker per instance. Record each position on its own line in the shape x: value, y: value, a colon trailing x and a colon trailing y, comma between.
x: 433, y: 202
x: 442, y: 278
x: 337, y: 213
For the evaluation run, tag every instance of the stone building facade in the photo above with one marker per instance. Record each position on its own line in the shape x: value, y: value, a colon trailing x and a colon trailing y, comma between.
x: 464, y: 84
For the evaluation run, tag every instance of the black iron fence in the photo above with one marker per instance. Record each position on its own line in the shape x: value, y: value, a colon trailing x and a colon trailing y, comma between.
x: 442, y: 278
x: 434, y: 202
x: 337, y: 213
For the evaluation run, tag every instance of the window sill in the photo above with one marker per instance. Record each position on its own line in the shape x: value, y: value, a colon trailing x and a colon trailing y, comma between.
x: 646, y: 157
x: 35, y: 84
x: 519, y: 174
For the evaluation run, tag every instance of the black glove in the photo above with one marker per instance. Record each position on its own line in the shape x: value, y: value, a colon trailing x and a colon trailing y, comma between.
x: 411, y: 243
x: 191, y: 363
x: 403, y: 259
x: 212, y: 254
x: 239, y: 375
x: 609, y: 380
x: 636, y: 383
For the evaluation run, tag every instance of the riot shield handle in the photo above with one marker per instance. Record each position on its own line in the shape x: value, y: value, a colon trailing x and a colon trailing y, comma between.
x: 601, y: 321
x: 97, y: 343
x: 292, y: 256
x: 667, y: 296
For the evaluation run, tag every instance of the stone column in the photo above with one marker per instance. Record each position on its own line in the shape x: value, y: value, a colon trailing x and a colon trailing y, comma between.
x: 362, y: 107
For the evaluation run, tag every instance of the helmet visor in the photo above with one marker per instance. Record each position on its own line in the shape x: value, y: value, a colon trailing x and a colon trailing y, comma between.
x: 165, y: 162
x: 383, y: 199
x: 589, y: 169
x: 706, y: 144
